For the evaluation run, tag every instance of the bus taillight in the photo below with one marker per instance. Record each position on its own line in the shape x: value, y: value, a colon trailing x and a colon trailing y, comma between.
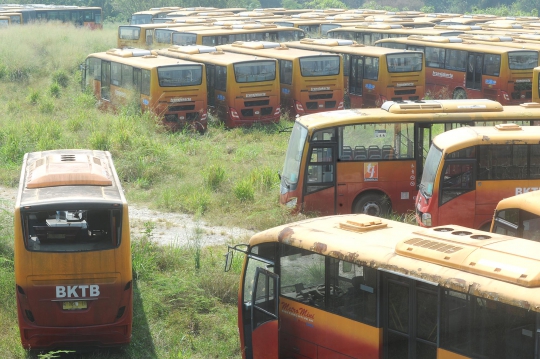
x: 234, y: 113
x: 505, y: 95
x: 277, y: 112
x: 340, y: 106
x: 299, y: 107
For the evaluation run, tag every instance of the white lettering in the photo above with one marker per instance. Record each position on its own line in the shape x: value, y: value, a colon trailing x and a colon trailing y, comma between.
x: 442, y: 74
x: 181, y: 99
x: 324, y: 88
x: 520, y: 190
x: 405, y: 84
x: 71, y: 291
x: 522, y: 80
x: 261, y: 94
x: 60, y: 291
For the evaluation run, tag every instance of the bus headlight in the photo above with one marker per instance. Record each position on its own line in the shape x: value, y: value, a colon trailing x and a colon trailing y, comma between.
x: 291, y: 203
x: 426, y: 219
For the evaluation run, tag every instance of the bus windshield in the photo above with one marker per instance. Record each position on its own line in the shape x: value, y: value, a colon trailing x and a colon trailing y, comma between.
x: 141, y: 19
x: 255, y: 71
x: 430, y: 171
x: 62, y: 230
x: 293, y: 158
x: 404, y: 62
x: 173, y: 76
x: 523, y: 60
x: 184, y: 39
x: 163, y: 35
x: 319, y: 66
x: 129, y: 32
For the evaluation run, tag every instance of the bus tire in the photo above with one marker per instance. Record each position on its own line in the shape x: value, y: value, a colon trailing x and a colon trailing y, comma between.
x: 372, y: 204
x: 459, y: 94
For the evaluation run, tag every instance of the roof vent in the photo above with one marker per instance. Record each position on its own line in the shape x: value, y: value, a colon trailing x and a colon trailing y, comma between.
x: 363, y: 226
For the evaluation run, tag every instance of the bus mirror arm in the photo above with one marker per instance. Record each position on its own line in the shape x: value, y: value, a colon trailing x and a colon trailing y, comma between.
x: 279, y: 175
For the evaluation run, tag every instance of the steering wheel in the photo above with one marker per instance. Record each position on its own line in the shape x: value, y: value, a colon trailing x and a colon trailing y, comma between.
x: 334, y: 290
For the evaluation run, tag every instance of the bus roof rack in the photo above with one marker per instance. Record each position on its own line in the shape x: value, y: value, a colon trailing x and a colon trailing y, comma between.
x: 193, y: 49
x: 490, y: 38
x: 258, y: 44
x: 439, y: 39
x: 68, y: 170
x: 329, y: 42
x: 508, y: 127
x: 127, y: 52
x: 445, y: 106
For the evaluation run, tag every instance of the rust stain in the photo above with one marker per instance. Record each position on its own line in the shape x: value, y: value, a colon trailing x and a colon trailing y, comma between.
x: 285, y: 235
x: 351, y: 257
x: 336, y: 254
x: 319, y: 247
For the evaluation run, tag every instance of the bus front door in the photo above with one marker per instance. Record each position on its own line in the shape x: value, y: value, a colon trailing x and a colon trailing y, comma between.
x: 474, y: 71
x: 106, y: 80
x: 264, y: 315
x: 356, y: 81
x: 320, y: 180
x: 410, y: 318
x: 423, y: 144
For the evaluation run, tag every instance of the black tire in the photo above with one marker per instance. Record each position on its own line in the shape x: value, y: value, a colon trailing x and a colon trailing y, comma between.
x: 372, y: 204
x: 459, y: 94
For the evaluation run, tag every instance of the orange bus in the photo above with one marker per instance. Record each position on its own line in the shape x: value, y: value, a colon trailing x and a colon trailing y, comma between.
x: 173, y: 89
x: 373, y: 75
x: 458, y: 68
x: 361, y: 287
x: 371, y: 160
x: 469, y: 170
x: 242, y: 89
x: 368, y: 34
x: 518, y: 216
x: 222, y: 35
x: 72, y: 251
x: 90, y: 17
x: 310, y: 81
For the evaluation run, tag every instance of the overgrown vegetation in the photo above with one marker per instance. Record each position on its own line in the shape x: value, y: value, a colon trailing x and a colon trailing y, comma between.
x: 184, y: 303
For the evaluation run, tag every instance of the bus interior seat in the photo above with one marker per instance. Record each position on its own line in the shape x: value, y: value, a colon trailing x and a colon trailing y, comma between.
x: 374, y: 152
x: 346, y: 153
x: 360, y: 153
x: 387, y: 152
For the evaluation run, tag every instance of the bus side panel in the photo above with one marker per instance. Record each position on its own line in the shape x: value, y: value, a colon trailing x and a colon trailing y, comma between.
x: 306, y: 325
x: 441, y: 83
x: 443, y: 354
x: 356, y: 101
x: 393, y: 178
x: 265, y: 341
x: 458, y: 210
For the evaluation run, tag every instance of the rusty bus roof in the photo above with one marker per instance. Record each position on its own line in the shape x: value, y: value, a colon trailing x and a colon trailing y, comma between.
x: 471, y: 261
x: 433, y: 111
x: 70, y: 176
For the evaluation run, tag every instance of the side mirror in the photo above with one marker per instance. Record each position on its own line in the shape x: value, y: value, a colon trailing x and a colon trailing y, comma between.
x: 228, y: 260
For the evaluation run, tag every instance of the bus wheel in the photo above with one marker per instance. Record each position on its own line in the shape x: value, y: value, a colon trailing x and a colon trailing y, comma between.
x: 372, y: 204
x: 459, y: 94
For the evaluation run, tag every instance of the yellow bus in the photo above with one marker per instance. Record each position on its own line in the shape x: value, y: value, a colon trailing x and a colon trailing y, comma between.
x: 173, y: 89
x: 5, y: 21
x: 15, y: 18
x: 371, y: 160
x: 359, y: 287
x: 72, y: 251
x: 458, y: 68
x: 221, y: 35
x: 147, y: 16
x: 310, y: 81
x: 242, y: 89
x: 142, y: 36
x: 368, y: 34
x: 518, y: 216
x: 373, y: 75
x: 469, y: 170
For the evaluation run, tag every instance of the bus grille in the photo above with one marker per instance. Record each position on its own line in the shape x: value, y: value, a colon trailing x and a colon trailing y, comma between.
x: 320, y: 96
x: 312, y: 105
x: 192, y: 116
x: 405, y: 92
x: 181, y: 108
x: 330, y: 104
x: 520, y: 96
x: 171, y: 118
x: 256, y: 103
x: 265, y: 111
x: 523, y: 86
x: 247, y: 112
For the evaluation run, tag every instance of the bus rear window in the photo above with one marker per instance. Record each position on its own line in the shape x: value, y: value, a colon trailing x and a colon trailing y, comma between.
x: 163, y: 35
x: 184, y: 39
x: 255, y: 71
x: 70, y: 230
x: 523, y: 60
x: 319, y: 66
x: 141, y: 19
x: 129, y: 32
x: 404, y: 62
x: 180, y: 75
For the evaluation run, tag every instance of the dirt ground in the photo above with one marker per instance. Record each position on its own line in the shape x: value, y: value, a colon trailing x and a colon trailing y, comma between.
x: 175, y: 229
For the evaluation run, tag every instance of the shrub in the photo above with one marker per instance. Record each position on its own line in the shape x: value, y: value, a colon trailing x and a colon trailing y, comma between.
x: 244, y: 191
x: 214, y: 176
x: 54, y: 90
x: 61, y: 78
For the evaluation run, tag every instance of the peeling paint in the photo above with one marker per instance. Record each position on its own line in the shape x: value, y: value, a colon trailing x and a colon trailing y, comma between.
x: 285, y: 235
x: 319, y: 247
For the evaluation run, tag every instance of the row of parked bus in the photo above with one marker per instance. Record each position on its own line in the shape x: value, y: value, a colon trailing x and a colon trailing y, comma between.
x: 14, y: 14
